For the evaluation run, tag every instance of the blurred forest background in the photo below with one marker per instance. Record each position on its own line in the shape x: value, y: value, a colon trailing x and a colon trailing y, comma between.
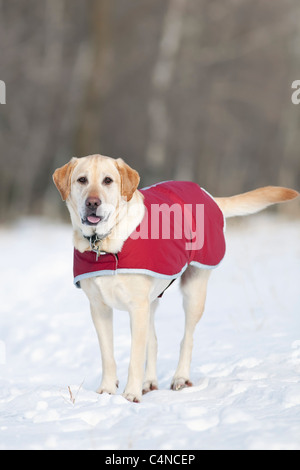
x: 181, y: 89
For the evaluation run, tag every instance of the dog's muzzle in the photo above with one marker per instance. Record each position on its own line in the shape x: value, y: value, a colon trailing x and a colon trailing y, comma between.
x: 91, y: 206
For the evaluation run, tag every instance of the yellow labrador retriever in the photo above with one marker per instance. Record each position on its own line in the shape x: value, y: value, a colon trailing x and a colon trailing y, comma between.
x: 106, y: 208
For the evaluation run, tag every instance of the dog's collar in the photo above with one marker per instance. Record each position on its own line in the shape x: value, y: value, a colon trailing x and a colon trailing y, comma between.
x: 93, y: 240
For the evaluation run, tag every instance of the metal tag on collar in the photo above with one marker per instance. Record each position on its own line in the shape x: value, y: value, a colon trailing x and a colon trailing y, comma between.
x: 98, y: 251
x: 93, y: 240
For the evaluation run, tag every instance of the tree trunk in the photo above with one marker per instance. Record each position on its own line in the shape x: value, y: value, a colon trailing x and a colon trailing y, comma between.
x: 88, y: 134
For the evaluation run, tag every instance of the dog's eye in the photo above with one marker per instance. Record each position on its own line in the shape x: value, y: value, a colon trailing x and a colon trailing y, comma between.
x: 82, y: 180
x: 107, y: 180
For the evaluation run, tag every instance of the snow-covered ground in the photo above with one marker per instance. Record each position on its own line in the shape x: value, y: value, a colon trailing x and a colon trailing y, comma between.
x: 246, y: 360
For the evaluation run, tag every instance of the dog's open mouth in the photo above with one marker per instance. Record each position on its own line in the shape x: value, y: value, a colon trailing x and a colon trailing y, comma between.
x: 92, y: 219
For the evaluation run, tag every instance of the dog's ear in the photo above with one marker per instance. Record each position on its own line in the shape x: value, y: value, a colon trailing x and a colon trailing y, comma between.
x: 62, y: 178
x: 129, y: 179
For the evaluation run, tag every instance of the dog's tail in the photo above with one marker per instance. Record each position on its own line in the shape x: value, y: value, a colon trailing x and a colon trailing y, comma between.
x: 254, y: 201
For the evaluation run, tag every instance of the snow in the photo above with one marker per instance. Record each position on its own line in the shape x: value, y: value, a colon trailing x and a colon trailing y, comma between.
x: 246, y: 359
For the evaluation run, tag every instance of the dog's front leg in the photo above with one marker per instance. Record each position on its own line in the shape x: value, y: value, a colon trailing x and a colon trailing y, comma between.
x: 103, y: 320
x: 150, y: 382
x: 139, y: 321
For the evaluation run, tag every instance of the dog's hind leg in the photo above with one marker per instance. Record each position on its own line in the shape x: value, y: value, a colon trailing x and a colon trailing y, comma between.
x: 150, y: 382
x: 194, y: 286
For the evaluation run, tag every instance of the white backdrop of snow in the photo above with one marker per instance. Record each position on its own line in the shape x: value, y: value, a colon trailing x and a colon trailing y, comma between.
x: 246, y: 359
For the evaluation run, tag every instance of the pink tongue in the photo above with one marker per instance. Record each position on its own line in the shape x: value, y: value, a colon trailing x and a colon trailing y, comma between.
x: 93, y: 219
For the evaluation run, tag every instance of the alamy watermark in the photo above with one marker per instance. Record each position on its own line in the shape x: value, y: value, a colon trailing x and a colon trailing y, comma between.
x: 296, y: 94
x: 2, y: 353
x: 174, y: 222
x: 163, y: 221
x: 2, y: 92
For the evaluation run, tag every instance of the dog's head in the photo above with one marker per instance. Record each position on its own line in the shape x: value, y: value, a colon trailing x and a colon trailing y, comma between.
x: 94, y: 187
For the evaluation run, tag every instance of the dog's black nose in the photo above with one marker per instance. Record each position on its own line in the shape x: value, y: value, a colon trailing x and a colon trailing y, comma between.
x: 92, y: 203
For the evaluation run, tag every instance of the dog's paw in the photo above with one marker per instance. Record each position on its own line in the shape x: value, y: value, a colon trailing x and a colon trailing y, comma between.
x: 133, y: 397
x: 111, y: 389
x: 150, y: 385
x: 178, y: 383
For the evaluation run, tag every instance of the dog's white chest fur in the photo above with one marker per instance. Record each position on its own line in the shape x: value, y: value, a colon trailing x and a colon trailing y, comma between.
x: 121, y: 291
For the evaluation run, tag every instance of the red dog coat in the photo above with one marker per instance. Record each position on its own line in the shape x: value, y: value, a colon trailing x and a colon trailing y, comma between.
x: 182, y: 226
